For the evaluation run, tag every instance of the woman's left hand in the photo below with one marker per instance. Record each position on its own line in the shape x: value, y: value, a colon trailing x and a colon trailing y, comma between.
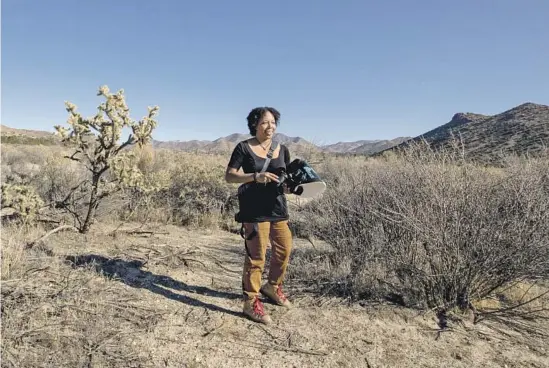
x: 286, y: 189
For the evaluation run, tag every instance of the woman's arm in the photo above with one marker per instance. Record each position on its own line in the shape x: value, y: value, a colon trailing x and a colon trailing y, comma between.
x: 233, y: 176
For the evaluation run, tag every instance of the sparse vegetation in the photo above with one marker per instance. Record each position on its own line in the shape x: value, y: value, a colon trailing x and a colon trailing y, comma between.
x: 194, y: 190
x: 425, y: 229
x: 22, y: 139
x: 56, y: 316
x: 430, y: 229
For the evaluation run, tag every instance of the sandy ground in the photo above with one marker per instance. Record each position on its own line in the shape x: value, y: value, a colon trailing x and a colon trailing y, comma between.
x: 191, y: 279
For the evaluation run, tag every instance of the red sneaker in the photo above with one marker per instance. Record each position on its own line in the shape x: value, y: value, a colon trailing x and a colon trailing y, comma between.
x: 253, y: 308
x: 275, y: 293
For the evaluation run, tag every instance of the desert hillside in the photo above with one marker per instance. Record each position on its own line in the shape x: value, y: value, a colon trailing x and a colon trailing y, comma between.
x: 6, y: 130
x: 222, y: 145
x: 27, y: 136
x: 520, y: 130
x: 227, y: 144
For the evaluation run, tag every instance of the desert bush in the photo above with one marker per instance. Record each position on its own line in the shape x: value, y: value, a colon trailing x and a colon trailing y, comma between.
x: 194, y: 190
x: 27, y: 140
x: 57, y: 177
x: 21, y: 164
x: 23, y: 199
x: 430, y: 228
x: 174, y: 187
x: 199, y: 186
x: 13, y: 154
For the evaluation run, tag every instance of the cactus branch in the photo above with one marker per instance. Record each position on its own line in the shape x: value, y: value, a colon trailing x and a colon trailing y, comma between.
x: 98, y: 148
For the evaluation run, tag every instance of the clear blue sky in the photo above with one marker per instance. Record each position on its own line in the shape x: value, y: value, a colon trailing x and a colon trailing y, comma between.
x: 337, y: 70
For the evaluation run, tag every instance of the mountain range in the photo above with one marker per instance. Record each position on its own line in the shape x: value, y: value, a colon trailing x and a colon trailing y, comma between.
x: 524, y: 128
x: 295, y: 144
x: 520, y: 130
x: 226, y: 144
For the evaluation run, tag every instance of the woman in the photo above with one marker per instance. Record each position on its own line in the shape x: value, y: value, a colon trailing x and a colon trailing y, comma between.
x: 266, y: 218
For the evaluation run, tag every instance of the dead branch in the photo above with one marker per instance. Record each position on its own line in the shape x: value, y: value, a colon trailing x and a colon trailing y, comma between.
x: 267, y: 332
x: 57, y: 229
x: 187, y: 260
x: 139, y: 232
x: 176, y: 254
x: 213, y: 329
x: 218, y: 263
x: 513, y: 307
x: 290, y: 350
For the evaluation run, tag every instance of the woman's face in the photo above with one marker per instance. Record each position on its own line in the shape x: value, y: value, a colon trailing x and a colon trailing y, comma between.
x: 266, y: 126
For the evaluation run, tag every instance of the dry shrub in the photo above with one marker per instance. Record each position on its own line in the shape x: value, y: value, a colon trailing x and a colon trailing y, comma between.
x: 193, y: 188
x: 57, y: 178
x: 57, y: 316
x: 21, y: 164
x: 44, y: 168
x: 195, y: 192
x: 22, y: 199
x: 430, y: 229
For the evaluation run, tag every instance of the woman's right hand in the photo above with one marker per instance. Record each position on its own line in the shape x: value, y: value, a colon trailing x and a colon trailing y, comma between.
x: 266, y: 177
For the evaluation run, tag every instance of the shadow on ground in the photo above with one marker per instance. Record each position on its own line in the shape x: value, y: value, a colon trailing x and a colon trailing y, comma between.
x: 131, y: 274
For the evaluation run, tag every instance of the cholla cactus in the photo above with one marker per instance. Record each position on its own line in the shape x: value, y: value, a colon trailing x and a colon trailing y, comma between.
x: 99, y: 146
x: 125, y: 168
x: 22, y: 199
x: 106, y: 127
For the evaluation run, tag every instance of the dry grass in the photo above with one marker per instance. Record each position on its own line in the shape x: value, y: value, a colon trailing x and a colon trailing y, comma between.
x: 191, y: 184
x: 48, y: 308
x: 167, y: 295
x: 173, y: 299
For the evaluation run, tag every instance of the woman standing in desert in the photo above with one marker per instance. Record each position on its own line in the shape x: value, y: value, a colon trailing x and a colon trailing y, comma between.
x: 264, y: 214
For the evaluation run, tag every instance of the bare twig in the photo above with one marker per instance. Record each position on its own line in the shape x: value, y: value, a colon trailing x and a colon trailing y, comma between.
x: 283, y: 348
x: 513, y: 307
x: 51, y: 232
x: 213, y: 329
x: 266, y: 331
x: 140, y: 232
x: 218, y: 263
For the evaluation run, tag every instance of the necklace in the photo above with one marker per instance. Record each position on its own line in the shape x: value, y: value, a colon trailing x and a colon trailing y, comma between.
x: 264, y: 149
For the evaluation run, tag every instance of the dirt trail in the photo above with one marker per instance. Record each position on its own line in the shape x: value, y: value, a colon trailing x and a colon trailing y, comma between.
x: 192, y: 279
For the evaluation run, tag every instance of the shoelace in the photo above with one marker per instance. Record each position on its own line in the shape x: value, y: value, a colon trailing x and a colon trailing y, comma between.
x: 280, y: 293
x: 258, y: 308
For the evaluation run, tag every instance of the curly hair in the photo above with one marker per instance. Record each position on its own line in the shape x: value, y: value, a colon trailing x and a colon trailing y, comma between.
x: 257, y: 114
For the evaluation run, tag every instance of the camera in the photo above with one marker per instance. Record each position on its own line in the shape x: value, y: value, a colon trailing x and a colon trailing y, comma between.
x: 285, y: 178
x: 296, y: 175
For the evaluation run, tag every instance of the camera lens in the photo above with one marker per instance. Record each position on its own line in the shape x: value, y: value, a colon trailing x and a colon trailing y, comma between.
x: 298, y: 190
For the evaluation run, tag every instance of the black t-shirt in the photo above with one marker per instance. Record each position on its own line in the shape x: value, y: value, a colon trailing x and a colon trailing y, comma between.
x: 261, y: 202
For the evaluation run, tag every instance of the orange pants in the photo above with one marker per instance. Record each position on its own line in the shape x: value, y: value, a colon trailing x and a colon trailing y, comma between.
x: 280, y: 237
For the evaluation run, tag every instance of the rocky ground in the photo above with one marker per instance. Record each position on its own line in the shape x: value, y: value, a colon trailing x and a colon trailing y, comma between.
x: 171, y: 298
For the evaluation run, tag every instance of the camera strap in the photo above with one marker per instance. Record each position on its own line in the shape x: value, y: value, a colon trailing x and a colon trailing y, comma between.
x: 274, y: 146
